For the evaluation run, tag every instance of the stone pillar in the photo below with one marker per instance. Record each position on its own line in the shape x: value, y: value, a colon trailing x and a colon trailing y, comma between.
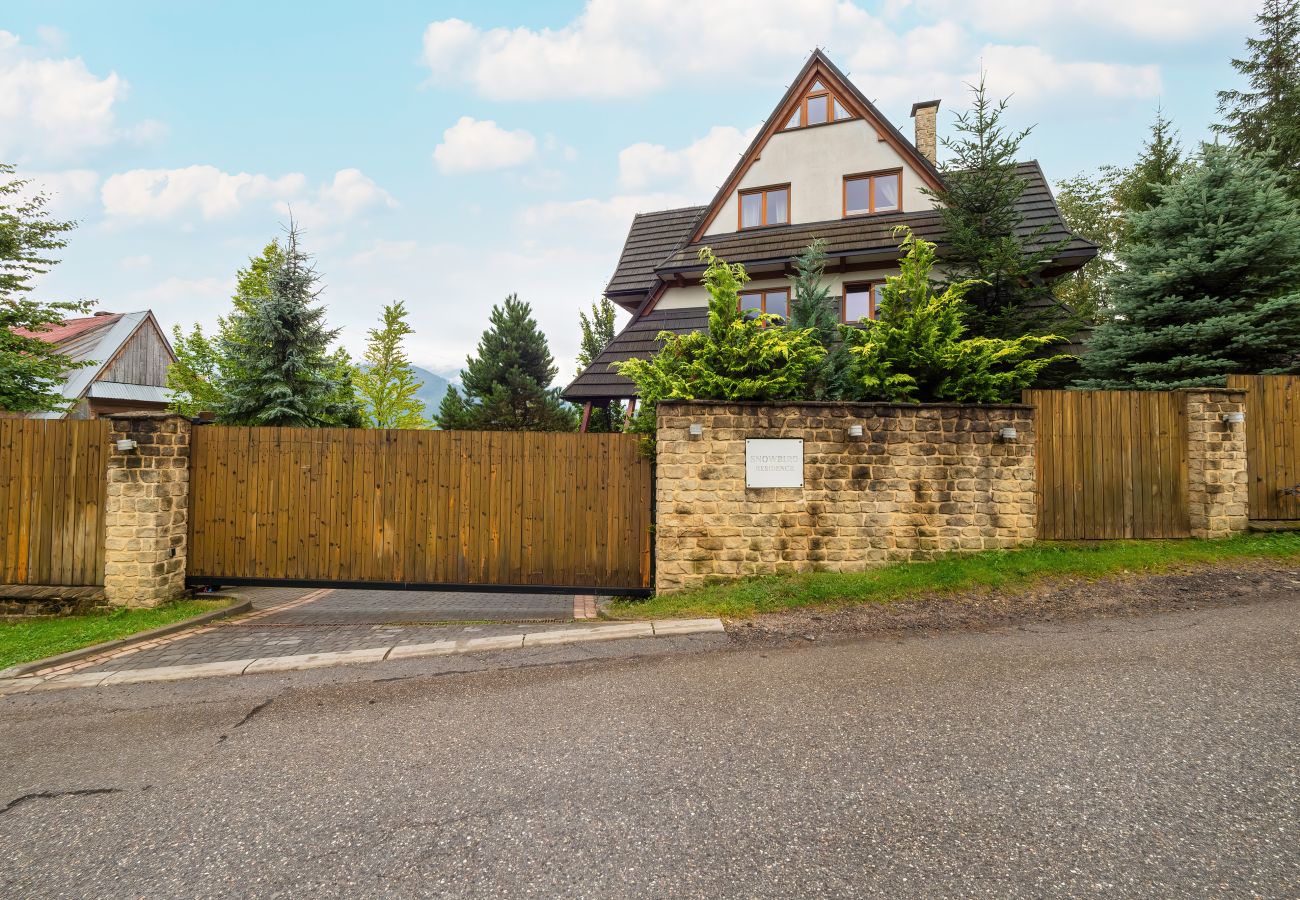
x: 147, y: 510
x: 1217, y: 485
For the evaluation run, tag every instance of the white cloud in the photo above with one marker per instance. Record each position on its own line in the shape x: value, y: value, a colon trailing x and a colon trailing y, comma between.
x: 70, y: 192
x: 55, y: 109
x: 209, y: 193
x: 1031, y: 74
x: 351, y: 193
x: 619, y: 49
x: 699, y: 167
x: 472, y: 145
x: 1160, y: 20
x: 594, y: 222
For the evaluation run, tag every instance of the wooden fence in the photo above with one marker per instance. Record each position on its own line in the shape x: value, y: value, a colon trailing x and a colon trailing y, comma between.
x: 1272, y: 443
x: 420, y: 507
x: 52, y: 485
x: 1111, y: 464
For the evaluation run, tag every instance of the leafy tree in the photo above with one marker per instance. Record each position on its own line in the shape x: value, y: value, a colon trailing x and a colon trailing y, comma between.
x: 1002, y: 268
x: 1265, y: 120
x: 195, y: 378
x: 507, y: 385
x: 274, y: 350
x: 740, y: 357
x: 386, y: 382
x: 1210, y: 284
x: 31, y: 370
x: 914, y: 351
x: 597, y: 334
x: 814, y: 308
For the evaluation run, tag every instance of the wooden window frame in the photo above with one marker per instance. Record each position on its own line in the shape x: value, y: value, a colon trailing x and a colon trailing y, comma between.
x: 871, y: 192
x: 740, y: 206
x: 871, y: 286
x: 831, y: 99
x: 764, y: 292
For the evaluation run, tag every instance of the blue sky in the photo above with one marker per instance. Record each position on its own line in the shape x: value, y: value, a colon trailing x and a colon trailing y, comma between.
x: 446, y: 154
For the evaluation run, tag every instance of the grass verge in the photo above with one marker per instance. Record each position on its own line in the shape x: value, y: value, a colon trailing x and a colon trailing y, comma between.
x: 994, y: 569
x: 24, y: 640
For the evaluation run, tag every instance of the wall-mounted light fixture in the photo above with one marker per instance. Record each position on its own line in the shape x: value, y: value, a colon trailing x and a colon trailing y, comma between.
x: 855, y: 431
x: 126, y: 445
x: 1234, y: 418
x: 696, y: 430
x: 1008, y: 434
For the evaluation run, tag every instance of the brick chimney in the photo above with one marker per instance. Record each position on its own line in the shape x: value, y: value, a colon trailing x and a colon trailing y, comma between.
x: 926, y: 114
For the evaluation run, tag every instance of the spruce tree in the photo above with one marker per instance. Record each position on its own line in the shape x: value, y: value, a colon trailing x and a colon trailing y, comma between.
x: 1265, y: 119
x: 813, y: 307
x: 386, y: 382
x: 507, y: 385
x: 597, y: 334
x: 277, y: 368
x: 1159, y: 164
x: 31, y: 370
x: 980, y: 213
x: 1209, y: 284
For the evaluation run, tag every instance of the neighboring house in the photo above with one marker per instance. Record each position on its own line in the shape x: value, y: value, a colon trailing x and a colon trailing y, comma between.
x: 130, y: 356
x: 827, y: 165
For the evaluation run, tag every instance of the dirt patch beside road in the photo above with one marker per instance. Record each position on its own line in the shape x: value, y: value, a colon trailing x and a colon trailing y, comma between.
x: 1066, y: 600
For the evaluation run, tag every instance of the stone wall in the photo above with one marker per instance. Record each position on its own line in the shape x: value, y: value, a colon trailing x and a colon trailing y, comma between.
x: 921, y: 481
x: 147, y: 509
x: 1218, y: 500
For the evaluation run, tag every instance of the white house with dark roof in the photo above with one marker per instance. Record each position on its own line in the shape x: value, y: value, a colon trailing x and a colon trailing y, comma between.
x: 826, y: 164
x: 129, y: 356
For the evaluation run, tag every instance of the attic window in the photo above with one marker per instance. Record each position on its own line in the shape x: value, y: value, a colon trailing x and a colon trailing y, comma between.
x: 817, y: 107
x: 765, y: 206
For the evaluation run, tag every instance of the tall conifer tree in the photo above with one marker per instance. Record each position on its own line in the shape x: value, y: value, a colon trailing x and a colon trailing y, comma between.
x: 386, y: 382
x: 597, y: 334
x: 1265, y: 118
x: 507, y: 385
x: 813, y: 307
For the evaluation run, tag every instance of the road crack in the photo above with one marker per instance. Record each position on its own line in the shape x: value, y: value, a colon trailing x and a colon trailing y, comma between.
x: 252, y: 712
x: 56, y: 795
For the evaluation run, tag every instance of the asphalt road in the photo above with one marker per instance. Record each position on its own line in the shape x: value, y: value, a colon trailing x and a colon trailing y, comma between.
x: 1141, y: 757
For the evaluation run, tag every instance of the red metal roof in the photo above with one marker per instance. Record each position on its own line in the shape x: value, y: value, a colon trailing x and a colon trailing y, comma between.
x: 57, y: 334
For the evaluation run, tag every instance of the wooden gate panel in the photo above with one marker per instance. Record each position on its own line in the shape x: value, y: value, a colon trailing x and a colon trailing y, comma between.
x: 420, y: 507
x: 1272, y: 443
x: 1111, y: 464
x: 52, y: 489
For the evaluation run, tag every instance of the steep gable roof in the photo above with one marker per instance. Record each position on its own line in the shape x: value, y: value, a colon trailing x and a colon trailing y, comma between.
x: 818, y: 68
x: 651, y: 238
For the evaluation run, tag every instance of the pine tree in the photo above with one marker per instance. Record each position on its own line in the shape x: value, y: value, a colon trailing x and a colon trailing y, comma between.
x: 31, y: 370
x: 597, y: 334
x: 1265, y: 120
x: 276, y: 364
x: 814, y: 308
x: 386, y: 382
x: 1210, y: 284
x: 507, y: 385
x: 980, y: 213
x: 1159, y: 164
x: 916, y: 350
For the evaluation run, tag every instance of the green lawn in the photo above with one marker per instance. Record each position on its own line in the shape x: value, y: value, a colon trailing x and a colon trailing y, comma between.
x: 25, y: 640
x: 994, y: 569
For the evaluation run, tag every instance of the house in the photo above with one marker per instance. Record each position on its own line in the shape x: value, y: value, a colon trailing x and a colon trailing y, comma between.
x: 129, y: 355
x: 826, y: 164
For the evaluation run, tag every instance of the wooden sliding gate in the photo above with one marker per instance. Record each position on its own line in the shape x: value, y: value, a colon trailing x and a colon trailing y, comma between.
x: 52, y: 489
x: 1272, y: 444
x: 473, y: 510
x: 1111, y: 464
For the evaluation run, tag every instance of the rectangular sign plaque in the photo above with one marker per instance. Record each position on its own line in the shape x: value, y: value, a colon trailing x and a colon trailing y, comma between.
x: 773, y: 462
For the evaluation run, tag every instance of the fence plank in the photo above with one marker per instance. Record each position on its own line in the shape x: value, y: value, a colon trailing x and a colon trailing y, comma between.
x: 421, y: 506
x: 1272, y: 443
x: 1110, y: 464
x: 52, y: 487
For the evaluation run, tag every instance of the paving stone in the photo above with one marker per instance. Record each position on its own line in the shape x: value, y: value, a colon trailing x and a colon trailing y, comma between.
x: 593, y: 633
x: 316, y: 660
x: 687, y: 626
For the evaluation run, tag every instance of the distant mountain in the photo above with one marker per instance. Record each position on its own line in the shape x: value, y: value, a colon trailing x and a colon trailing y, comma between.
x: 432, y: 391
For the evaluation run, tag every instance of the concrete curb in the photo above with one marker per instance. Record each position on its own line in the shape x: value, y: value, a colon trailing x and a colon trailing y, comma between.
x: 50, y: 662
x: 614, y: 631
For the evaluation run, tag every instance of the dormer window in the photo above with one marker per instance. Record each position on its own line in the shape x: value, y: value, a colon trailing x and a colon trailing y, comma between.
x: 817, y: 107
x: 874, y: 192
x: 765, y: 206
